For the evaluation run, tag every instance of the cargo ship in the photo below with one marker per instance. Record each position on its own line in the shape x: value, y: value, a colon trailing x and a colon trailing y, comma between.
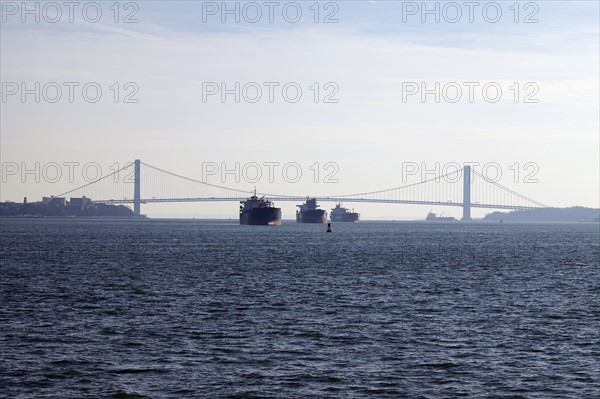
x: 339, y: 214
x: 259, y: 211
x: 309, y: 212
x: 432, y: 217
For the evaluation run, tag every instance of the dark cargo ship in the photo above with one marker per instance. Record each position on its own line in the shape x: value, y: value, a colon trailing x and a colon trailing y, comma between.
x: 432, y: 217
x: 255, y: 211
x: 309, y: 213
x: 339, y: 214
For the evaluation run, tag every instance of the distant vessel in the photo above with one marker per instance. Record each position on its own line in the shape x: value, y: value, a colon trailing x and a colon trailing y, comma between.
x: 309, y: 212
x: 432, y: 217
x: 339, y: 214
x: 255, y: 211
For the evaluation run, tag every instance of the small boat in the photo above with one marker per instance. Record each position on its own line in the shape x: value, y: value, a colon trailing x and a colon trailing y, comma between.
x: 432, y: 217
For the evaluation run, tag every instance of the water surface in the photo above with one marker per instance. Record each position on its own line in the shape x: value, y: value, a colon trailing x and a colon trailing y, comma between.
x: 172, y: 309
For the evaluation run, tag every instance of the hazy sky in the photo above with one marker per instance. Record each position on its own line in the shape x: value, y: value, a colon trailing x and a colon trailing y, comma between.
x: 368, y: 61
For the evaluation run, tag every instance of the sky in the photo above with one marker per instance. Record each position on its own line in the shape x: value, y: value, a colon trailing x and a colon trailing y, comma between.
x: 162, y: 66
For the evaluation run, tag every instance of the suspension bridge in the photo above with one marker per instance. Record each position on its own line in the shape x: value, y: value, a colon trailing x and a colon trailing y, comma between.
x: 139, y: 183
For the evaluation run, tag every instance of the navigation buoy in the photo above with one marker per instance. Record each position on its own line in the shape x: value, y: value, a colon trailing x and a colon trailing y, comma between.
x: 329, y: 227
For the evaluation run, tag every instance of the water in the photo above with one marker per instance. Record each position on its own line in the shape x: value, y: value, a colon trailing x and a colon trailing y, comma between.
x: 174, y: 309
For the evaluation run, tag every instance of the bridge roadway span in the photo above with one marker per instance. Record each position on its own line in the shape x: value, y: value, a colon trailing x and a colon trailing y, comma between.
x: 320, y: 199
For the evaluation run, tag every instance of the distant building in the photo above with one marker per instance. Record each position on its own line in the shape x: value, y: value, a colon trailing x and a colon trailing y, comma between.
x: 58, y: 207
x: 82, y: 202
x: 54, y: 201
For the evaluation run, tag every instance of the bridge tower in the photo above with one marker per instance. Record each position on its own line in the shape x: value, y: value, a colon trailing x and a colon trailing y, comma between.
x: 466, y: 193
x: 136, y: 189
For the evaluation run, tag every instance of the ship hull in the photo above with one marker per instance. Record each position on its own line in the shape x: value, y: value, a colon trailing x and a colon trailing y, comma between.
x: 312, y: 216
x: 347, y: 217
x: 261, y: 217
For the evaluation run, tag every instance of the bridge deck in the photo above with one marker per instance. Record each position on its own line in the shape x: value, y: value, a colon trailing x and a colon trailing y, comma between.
x: 320, y: 199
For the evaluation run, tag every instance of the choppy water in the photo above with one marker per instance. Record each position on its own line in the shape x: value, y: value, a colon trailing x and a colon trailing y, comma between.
x: 92, y: 308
